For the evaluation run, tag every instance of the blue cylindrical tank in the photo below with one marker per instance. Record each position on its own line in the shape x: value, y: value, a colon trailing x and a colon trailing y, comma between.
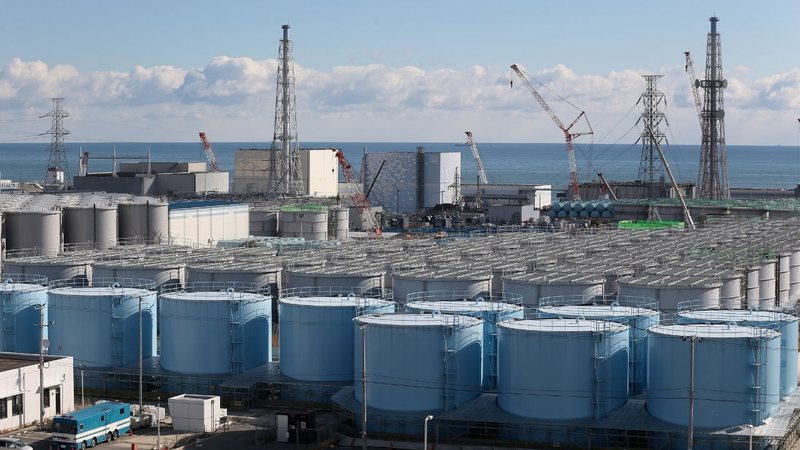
x: 583, y: 214
x: 566, y: 206
x: 737, y: 374
x: 577, y: 206
x: 98, y: 323
x: 492, y: 313
x: 24, y: 297
x: 786, y: 324
x: 556, y: 207
x: 562, y: 369
x: 562, y: 214
x: 595, y: 214
x: 215, y: 328
x: 637, y: 312
x: 589, y: 206
x: 419, y: 362
x: 316, y: 341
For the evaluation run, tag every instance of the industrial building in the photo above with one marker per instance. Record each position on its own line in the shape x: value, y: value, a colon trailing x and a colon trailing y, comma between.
x: 19, y: 389
x: 203, y: 222
x: 156, y: 178
x: 411, y: 181
x: 319, y: 170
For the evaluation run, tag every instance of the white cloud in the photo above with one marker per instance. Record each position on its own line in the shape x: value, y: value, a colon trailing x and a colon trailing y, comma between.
x: 235, y: 95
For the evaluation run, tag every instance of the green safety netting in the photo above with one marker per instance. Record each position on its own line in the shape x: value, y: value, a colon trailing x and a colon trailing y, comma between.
x: 649, y: 224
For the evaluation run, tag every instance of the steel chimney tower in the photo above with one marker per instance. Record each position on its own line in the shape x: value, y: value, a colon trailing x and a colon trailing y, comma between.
x: 285, y: 176
x: 712, y: 181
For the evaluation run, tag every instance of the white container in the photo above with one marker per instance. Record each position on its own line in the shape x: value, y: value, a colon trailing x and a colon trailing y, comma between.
x: 196, y: 413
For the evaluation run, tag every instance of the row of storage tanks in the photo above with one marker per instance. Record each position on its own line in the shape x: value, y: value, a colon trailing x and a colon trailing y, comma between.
x: 317, y: 223
x: 583, y: 210
x: 96, y: 225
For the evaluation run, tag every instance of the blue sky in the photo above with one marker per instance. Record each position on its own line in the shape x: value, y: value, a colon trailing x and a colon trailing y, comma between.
x: 370, y: 70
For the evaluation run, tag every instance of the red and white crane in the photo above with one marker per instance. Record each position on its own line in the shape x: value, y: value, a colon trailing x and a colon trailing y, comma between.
x: 368, y: 221
x: 212, y: 159
x: 569, y: 136
x: 477, y: 156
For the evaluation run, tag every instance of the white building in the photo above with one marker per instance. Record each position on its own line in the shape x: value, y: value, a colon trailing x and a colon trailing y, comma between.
x: 19, y: 389
x: 319, y: 171
x: 196, y: 413
x: 205, y: 222
x: 411, y: 181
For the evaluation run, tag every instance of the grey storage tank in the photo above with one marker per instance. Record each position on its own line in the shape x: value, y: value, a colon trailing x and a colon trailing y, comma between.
x: 62, y: 267
x: 537, y: 285
x: 317, y: 330
x: 24, y: 299
x: 361, y: 277
x: 90, y: 226
x: 36, y: 231
x: 143, y: 222
x: 474, y: 283
x: 98, y: 323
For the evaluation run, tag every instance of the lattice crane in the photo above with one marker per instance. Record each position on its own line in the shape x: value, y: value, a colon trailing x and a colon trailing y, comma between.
x: 212, y: 159
x: 569, y: 136
x: 368, y: 220
x: 477, y: 156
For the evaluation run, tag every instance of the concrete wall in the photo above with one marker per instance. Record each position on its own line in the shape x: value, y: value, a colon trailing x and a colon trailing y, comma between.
x: 204, y: 225
x: 25, y: 381
x: 163, y: 167
x: 319, y: 171
x: 167, y: 183
x: 139, y: 185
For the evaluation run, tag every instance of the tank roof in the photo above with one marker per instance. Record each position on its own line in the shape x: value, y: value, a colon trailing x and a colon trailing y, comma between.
x: 334, y: 302
x: 442, y: 274
x: 419, y: 320
x: 14, y: 287
x: 463, y: 306
x: 213, y: 296
x: 100, y: 291
x: 739, y: 315
x: 713, y: 331
x: 672, y: 281
x: 563, y: 325
x: 590, y: 311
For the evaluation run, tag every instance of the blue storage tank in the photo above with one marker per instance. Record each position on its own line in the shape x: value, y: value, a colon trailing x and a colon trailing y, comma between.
x: 786, y: 324
x: 492, y: 313
x: 21, y: 295
x: 536, y: 380
x: 640, y: 313
x: 97, y: 323
x: 556, y: 207
x: 215, y: 328
x: 419, y: 362
x: 737, y: 374
x: 562, y: 214
x: 317, y: 330
x: 589, y: 206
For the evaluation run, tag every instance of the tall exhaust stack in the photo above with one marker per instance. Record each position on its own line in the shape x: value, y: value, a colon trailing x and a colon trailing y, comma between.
x: 712, y: 182
x: 285, y: 176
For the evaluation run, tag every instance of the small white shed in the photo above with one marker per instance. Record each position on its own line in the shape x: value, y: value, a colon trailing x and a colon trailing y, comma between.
x: 196, y: 413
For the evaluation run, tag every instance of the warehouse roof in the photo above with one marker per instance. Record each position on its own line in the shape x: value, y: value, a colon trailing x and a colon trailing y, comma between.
x: 12, y: 361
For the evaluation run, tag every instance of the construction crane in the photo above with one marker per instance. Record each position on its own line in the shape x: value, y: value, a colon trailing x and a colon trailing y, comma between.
x: 212, y: 159
x: 608, y: 186
x: 477, y: 156
x: 569, y: 136
x: 694, y: 82
x: 368, y: 221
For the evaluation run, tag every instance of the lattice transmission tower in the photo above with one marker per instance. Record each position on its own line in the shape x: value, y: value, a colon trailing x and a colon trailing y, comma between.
x: 285, y: 176
x: 57, y: 176
x: 712, y: 182
x: 651, y: 170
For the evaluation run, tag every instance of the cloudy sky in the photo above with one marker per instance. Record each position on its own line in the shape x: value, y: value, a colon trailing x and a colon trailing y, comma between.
x: 406, y: 71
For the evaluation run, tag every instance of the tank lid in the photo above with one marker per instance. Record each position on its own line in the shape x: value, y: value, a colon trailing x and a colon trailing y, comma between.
x: 213, y: 296
x: 335, y: 302
x: 738, y: 315
x: 463, y: 306
x: 101, y: 291
x: 14, y: 287
x: 713, y: 331
x: 562, y: 325
x: 597, y: 311
x: 419, y: 320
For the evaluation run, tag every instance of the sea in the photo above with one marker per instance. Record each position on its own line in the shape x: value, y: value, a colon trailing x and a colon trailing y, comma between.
x: 749, y: 166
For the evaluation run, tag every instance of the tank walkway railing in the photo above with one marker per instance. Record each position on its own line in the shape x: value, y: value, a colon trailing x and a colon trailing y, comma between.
x: 114, y: 283
x: 630, y: 301
x: 449, y: 369
x: 214, y: 287
x: 600, y: 376
x: 497, y: 298
x: 759, y: 388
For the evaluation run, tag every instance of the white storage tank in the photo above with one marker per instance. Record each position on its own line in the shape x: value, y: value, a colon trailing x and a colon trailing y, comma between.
x: 784, y: 280
x: 146, y: 222
x: 753, y: 292
x: 536, y: 381
x: 229, y: 327
x: 90, y: 226
x: 794, y: 276
x: 37, y: 231
x: 731, y: 290
x: 62, y: 267
x: 473, y: 282
x: 766, y: 285
x: 24, y: 300
x: 639, y: 313
x: 306, y: 221
x: 98, y: 323
x: 161, y: 271
x: 339, y: 223
x: 731, y: 363
x: 317, y: 330
x: 492, y: 311
x: 437, y: 355
x: 670, y: 290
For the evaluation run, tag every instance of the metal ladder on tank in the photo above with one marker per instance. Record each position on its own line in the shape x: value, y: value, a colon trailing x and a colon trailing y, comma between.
x: 635, y: 364
x: 449, y: 372
x: 117, y: 330
x: 759, y: 392
x: 492, y: 343
x: 600, y: 375
x: 236, y: 337
x: 9, y: 324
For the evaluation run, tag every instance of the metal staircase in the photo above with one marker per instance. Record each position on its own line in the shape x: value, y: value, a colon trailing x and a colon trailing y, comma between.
x: 759, y: 392
x: 9, y: 324
x: 600, y: 375
x: 449, y: 371
x: 118, y: 330
x: 236, y: 336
